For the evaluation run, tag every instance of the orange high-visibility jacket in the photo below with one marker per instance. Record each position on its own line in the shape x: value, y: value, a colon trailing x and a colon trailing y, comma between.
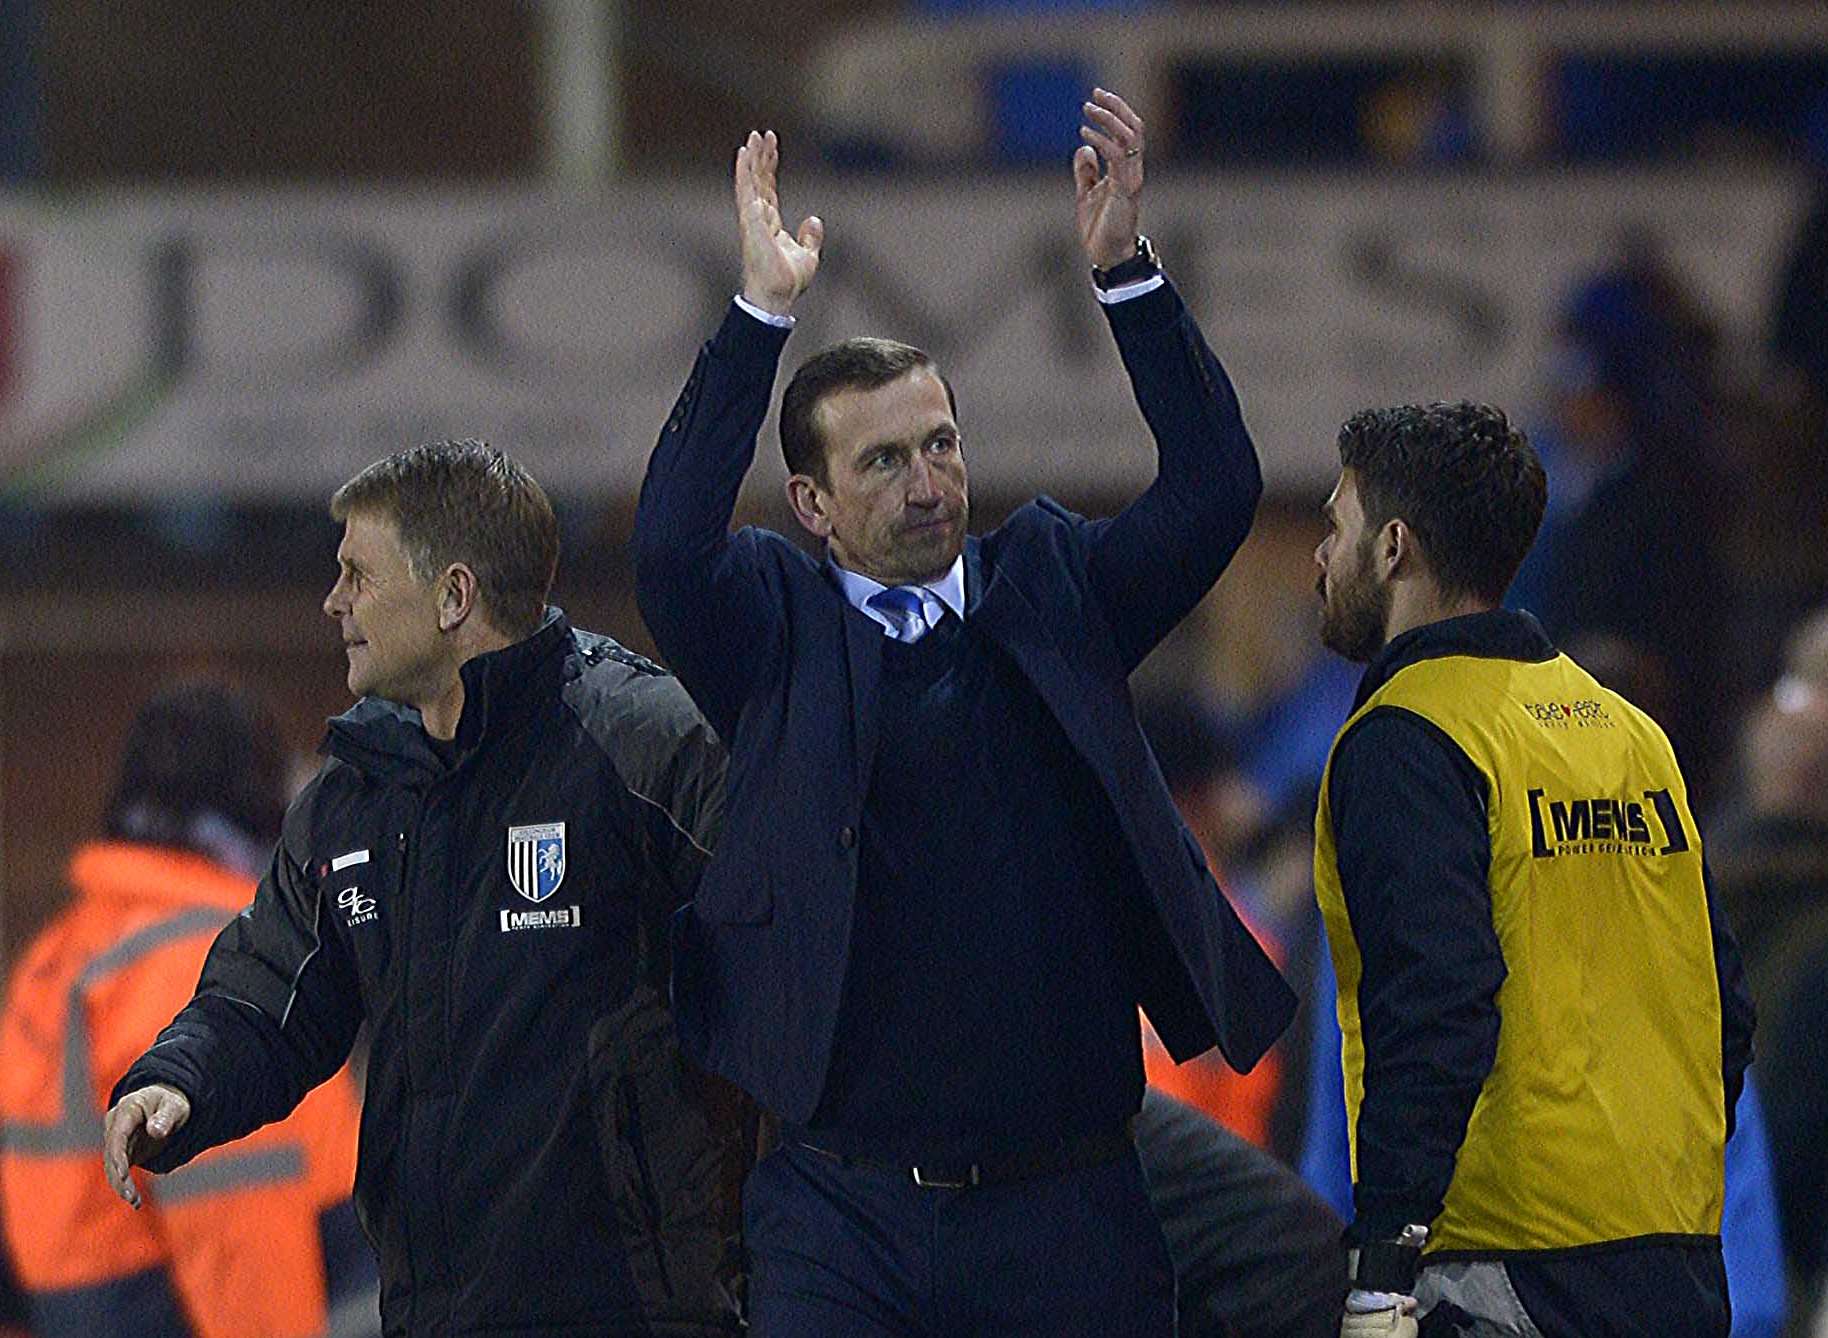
x: 236, y: 1233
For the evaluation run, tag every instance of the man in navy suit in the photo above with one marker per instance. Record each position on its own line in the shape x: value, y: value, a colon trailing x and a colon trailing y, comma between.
x: 950, y: 869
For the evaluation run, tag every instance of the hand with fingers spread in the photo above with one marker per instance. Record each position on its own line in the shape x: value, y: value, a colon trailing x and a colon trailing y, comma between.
x: 777, y: 264
x: 136, y: 1129
x: 1109, y: 205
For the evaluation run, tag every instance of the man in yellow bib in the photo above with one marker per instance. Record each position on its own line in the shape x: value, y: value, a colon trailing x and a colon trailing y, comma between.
x: 1544, y: 1020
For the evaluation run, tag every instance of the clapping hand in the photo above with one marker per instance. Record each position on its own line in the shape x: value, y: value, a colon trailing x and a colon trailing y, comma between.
x: 1109, y: 205
x: 777, y: 264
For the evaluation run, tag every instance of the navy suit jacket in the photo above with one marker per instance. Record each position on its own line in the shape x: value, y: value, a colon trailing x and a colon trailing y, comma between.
x: 787, y: 670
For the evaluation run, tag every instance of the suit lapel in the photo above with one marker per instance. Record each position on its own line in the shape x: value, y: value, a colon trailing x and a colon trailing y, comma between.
x: 863, y: 656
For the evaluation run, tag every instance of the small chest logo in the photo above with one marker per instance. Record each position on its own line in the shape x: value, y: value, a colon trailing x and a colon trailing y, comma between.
x: 1584, y: 713
x: 536, y: 859
x: 357, y: 906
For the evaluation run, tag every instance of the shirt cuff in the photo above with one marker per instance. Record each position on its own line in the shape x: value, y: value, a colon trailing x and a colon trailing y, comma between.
x: 780, y: 321
x: 1123, y: 292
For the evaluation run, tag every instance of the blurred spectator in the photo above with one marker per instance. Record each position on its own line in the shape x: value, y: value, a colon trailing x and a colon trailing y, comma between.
x: 1771, y: 862
x: 1632, y: 434
x: 1770, y: 855
x: 1417, y: 119
x: 1800, y: 334
x: 255, y: 1240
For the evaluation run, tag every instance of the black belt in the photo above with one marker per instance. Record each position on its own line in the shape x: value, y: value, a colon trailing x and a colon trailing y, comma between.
x: 1023, y: 1163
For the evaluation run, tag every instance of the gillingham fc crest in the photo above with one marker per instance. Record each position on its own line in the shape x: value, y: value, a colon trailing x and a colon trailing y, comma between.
x: 536, y: 859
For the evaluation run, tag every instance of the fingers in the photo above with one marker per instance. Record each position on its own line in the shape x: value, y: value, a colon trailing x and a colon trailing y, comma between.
x: 1112, y: 127
x: 1085, y: 168
x: 1107, y: 101
x: 118, y: 1132
x: 812, y: 233
x: 138, y: 1124
x: 169, y: 1112
x: 766, y: 155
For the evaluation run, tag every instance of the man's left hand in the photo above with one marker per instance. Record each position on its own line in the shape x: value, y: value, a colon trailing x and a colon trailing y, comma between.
x: 1109, y: 206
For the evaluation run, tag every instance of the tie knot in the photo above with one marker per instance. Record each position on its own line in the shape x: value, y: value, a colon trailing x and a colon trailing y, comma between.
x: 905, y: 607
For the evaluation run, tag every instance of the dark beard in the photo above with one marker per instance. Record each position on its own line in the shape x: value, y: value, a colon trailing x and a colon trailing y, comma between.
x: 1353, y: 623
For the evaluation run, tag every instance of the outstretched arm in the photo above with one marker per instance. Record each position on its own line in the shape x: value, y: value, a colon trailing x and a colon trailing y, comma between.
x: 275, y: 1014
x: 1153, y: 562
x: 698, y: 586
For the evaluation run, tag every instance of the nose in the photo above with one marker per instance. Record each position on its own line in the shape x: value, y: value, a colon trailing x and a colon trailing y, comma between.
x: 923, y: 484
x: 335, y: 604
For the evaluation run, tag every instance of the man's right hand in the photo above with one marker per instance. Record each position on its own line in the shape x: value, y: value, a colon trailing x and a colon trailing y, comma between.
x: 777, y: 265
x: 1379, y: 1315
x: 136, y: 1129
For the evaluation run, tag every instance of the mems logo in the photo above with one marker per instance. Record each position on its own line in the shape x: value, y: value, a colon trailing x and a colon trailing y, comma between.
x: 569, y: 917
x: 1606, y: 825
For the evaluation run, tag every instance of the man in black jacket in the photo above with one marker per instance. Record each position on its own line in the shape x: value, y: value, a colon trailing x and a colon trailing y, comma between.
x: 477, y: 873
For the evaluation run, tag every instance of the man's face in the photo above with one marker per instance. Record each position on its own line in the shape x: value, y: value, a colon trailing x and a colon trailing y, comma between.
x: 1355, y: 601
x: 896, y: 504
x: 388, y: 617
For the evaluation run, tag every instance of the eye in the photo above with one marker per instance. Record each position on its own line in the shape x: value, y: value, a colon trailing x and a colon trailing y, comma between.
x: 943, y: 444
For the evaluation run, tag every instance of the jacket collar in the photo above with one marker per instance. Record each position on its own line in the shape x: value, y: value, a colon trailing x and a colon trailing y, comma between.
x: 388, y: 739
x: 1501, y: 634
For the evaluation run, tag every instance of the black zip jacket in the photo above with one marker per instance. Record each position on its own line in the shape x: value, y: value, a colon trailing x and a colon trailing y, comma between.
x: 534, y: 1157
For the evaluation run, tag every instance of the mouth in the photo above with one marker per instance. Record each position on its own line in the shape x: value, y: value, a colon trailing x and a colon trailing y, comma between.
x: 936, y: 523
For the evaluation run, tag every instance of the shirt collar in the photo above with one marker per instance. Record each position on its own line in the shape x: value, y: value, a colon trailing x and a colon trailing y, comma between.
x: 1501, y: 634
x: 949, y: 590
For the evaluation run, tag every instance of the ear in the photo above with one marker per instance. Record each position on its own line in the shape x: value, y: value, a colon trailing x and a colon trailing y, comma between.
x: 1398, y: 553
x: 458, y: 594
x: 808, y: 502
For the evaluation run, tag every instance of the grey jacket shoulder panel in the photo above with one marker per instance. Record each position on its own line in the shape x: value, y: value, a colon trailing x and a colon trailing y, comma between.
x: 662, y: 748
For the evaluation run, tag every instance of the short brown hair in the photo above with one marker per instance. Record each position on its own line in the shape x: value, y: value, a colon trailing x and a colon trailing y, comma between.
x: 857, y: 364
x: 465, y: 501
x: 1465, y: 480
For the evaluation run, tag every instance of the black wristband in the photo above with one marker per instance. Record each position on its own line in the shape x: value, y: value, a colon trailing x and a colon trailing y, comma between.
x: 1385, y: 1266
x: 1142, y: 265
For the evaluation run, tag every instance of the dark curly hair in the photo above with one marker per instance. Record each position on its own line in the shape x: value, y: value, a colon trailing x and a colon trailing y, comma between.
x: 1464, y: 480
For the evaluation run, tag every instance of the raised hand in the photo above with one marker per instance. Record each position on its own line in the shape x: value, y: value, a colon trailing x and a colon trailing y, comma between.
x: 136, y: 1129
x: 1109, y: 205
x: 777, y: 265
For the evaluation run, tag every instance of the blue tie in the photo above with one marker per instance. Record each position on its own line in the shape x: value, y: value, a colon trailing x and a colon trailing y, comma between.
x: 903, y: 606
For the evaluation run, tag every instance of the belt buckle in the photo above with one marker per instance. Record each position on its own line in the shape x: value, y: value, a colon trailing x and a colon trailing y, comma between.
x: 970, y: 1180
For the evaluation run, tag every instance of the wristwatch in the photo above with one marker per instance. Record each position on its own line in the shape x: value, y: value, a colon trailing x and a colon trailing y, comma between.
x: 1142, y: 265
x: 1389, y: 1265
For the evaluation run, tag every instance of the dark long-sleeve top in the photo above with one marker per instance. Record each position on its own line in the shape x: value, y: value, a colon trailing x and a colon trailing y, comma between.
x: 1428, y: 994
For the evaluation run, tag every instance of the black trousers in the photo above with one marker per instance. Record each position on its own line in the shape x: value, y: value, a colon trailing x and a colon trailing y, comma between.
x: 845, y: 1250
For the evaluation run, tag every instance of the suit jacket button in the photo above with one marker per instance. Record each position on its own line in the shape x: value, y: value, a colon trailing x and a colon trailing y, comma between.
x: 847, y: 837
